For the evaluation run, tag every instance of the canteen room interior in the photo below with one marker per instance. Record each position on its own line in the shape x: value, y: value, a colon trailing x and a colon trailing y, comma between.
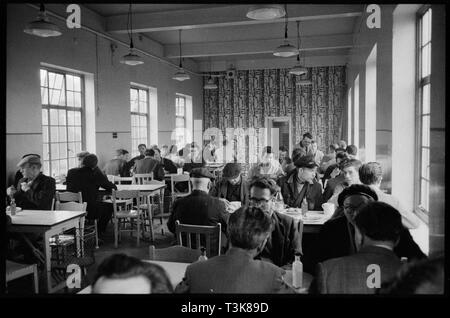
x: 225, y: 148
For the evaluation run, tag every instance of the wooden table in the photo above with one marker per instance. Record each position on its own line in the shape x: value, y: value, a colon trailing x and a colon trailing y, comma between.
x: 175, y: 271
x: 309, y: 225
x: 48, y: 223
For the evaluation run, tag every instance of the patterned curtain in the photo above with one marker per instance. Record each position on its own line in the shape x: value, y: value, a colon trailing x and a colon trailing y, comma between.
x: 247, y: 99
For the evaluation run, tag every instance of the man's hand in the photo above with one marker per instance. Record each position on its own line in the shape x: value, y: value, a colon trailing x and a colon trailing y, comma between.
x: 335, y: 172
x: 11, y: 191
x: 25, y: 186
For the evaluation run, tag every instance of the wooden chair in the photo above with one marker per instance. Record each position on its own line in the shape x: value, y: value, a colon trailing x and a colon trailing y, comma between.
x: 127, y: 213
x: 111, y: 177
x: 210, y: 235
x: 141, y: 178
x: 175, y: 253
x: 15, y: 270
x: 177, y: 178
x: 120, y: 180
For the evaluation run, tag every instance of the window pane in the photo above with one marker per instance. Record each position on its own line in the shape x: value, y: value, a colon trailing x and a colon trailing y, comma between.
x: 59, y: 85
x: 77, y: 99
x: 45, y: 133
x: 77, y: 147
x: 71, y: 149
x: 425, y: 163
x: 54, y: 96
x: 77, y: 119
x: 62, y: 134
x: 143, y: 95
x: 424, y: 188
x: 426, y: 99
x: 51, y: 79
x: 77, y: 133
x: 429, y: 23
x: 62, y: 117
x: 69, y: 82
x: 70, y: 99
x: 44, y: 117
x: 70, y: 118
x: 54, y: 148
x: 143, y: 107
x: 77, y: 83
x: 143, y: 133
x: 179, y: 122
x: 54, y: 133
x: 426, y: 131
x: 63, y: 150
x: 44, y: 95
x: 46, y: 168
x: 70, y: 133
x: 72, y: 163
x: 53, y: 117
x: 425, y: 28
x: 45, y: 151
x: 55, y: 168
x: 426, y: 60
x: 181, y: 102
x: 44, y: 78
x: 63, y: 166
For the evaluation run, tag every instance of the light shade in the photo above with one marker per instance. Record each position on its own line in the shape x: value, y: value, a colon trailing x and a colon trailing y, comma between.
x: 42, y: 27
x: 266, y: 12
x: 210, y: 84
x: 285, y: 50
x: 131, y: 59
x: 181, y: 75
x: 298, y: 70
x: 303, y: 82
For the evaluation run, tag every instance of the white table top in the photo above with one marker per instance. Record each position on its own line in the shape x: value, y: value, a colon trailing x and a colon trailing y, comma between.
x: 43, y: 217
x: 140, y: 187
x: 174, y: 270
x: 312, y: 217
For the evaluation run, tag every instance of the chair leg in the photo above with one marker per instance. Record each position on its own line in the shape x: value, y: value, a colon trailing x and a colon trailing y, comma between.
x: 35, y: 279
x: 138, y: 225
x: 96, y: 234
x: 116, y: 233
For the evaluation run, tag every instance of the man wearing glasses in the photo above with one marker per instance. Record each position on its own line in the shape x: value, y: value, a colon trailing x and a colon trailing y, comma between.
x: 284, y: 240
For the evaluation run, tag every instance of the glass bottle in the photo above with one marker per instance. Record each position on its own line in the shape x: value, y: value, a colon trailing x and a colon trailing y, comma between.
x: 304, y: 207
x: 202, y: 257
x: 13, y: 206
x: 297, y: 272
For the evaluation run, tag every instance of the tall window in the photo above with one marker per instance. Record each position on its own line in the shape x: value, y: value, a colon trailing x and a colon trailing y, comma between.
x: 180, y: 120
x: 139, y: 118
x: 62, y: 96
x: 349, y: 116
x: 356, y: 112
x: 424, y: 69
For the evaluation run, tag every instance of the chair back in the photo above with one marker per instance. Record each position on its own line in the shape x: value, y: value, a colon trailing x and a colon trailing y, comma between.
x: 70, y: 206
x: 176, y: 178
x: 111, y: 177
x: 177, y: 253
x: 68, y: 197
x: 141, y: 178
x: 125, y: 195
x: 206, y: 236
x: 120, y: 180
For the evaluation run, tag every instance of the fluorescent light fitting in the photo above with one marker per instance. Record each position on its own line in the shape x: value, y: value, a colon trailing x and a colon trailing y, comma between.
x: 181, y: 75
x: 210, y: 84
x: 131, y: 59
x: 266, y: 12
x: 42, y: 26
x: 285, y: 50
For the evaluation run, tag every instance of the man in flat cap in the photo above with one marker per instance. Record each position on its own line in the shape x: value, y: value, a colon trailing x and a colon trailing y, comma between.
x: 301, y: 183
x: 199, y: 208
x: 232, y: 185
x: 35, y: 191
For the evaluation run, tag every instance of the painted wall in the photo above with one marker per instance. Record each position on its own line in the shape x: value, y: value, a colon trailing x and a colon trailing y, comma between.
x: 84, y: 52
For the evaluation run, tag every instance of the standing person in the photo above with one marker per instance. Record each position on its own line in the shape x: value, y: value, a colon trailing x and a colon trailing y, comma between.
x: 305, y: 144
x: 118, y: 165
x: 142, y: 148
x: 87, y: 180
x: 35, y: 190
x: 301, y: 183
x: 232, y: 185
x: 317, y: 154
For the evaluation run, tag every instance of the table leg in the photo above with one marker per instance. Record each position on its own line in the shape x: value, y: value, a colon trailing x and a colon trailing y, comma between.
x: 48, y: 264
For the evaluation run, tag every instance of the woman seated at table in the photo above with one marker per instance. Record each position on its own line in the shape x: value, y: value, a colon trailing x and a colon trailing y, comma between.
x: 237, y: 271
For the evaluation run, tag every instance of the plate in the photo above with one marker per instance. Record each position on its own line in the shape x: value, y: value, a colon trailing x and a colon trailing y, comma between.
x: 8, y: 209
x: 293, y: 211
x: 312, y: 217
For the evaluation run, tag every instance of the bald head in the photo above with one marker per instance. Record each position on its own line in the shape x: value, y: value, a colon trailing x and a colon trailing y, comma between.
x: 200, y: 184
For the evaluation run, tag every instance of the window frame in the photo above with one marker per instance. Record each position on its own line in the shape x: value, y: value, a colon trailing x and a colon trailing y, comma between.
x: 49, y: 106
x: 184, y: 117
x: 134, y: 151
x: 421, y: 212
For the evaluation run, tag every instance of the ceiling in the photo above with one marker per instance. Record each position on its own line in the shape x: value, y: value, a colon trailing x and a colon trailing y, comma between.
x: 220, y: 32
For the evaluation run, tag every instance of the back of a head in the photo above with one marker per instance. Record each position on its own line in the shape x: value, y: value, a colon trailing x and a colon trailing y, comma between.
x: 264, y: 182
x: 350, y: 162
x: 379, y: 221
x: 90, y: 161
x: 121, y: 266
x: 418, y: 277
x: 248, y: 227
x: 370, y: 173
x: 356, y: 189
x: 342, y: 144
x: 120, y: 152
x: 341, y: 156
x: 150, y: 152
x: 333, y: 147
x: 307, y: 135
x: 352, y: 150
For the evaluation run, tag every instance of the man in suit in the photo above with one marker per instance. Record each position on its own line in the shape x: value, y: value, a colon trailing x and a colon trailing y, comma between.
x: 88, y: 179
x: 232, y: 185
x: 301, y: 183
x: 150, y: 164
x: 199, y: 208
x: 377, y: 230
x: 350, y: 170
x: 165, y: 163
x: 336, y: 236
x: 142, y: 148
x: 334, y: 175
x: 19, y: 174
x: 284, y: 240
x: 305, y: 144
x: 237, y: 271
x: 35, y: 191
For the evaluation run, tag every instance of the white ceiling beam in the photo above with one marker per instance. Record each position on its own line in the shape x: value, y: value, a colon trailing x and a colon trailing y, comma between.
x: 196, y: 50
x: 222, y: 17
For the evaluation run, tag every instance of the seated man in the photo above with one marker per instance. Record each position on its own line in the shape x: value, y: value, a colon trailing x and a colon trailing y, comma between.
x: 118, y: 165
x: 334, y: 176
x: 19, y: 174
x: 377, y: 230
x: 88, y: 180
x: 149, y: 164
x: 35, y: 190
x: 329, y: 158
x: 352, y: 151
x: 232, y: 186
x: 371, y: 174
x: 268, y: 166
x: 284, y: 240
x: 237, y: 271
x: 300, y: 184
x: 166, y: 163
x: 336, y: 236
x: 316, y: 153
x: 141, y: 148
x: 122, y: 274
x: 287, y: 165
x: 350, y: 170
x: 199, y: 208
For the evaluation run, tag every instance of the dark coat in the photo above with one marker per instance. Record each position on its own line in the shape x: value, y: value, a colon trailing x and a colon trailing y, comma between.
x: 116, y: 167
x: 294, y: 199
x: 88, y: 181
x: 39, y: 196
x: 283, y: 242
x: 336, y: 239
x: 220, y: 190
x: 130, y: 164
x: 349, y: 274
x: 234, y: 272
x: 169, y: 166
x: 331, y: 186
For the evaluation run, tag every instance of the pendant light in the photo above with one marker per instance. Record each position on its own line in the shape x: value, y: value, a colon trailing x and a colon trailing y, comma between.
x: 210, y: 83
x: 42, y: 26
x: 180, y: 75
x: 286, y: 49
x: 131, y: 58
x: 266, y: 12
x: 298, y: 69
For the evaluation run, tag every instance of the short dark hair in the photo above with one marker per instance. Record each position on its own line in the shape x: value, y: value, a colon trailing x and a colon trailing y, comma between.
x: 90, y: 161
x: 248, y: 227
x: 379, y: 221
x: 341, y: 156
x: 156, y: 149
x: 342, y: 144
x: 350, y: 163
x: 287, y: 159
x: 150, y: 152
x: 142, y: 145
x: 119, y: 266
x: 370, y: 173
x: 283, y: 148
x: 356, y: 189
x: 351, y: 150
x: 264, y: 183
x: 124, y: 151
x: 424, y: 276
x: 334, y: 147
x: 307, y: 135
x: 340, y: 150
